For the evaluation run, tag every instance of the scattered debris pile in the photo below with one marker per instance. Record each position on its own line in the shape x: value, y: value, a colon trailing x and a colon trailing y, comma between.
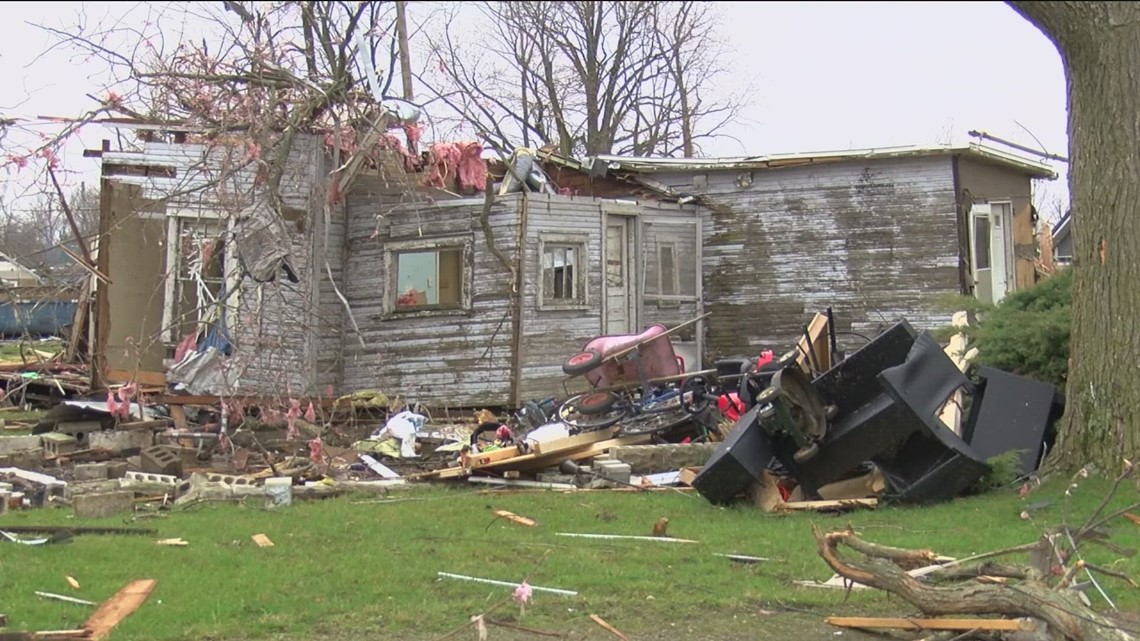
x: 901, y: 417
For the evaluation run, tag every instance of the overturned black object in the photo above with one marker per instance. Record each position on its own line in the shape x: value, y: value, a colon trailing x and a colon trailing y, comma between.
x: 1013, y: 412
x: 738, y: 461
x: 887, y: 396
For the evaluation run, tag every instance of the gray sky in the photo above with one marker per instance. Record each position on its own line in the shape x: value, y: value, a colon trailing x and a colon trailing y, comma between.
x: 827, y: 76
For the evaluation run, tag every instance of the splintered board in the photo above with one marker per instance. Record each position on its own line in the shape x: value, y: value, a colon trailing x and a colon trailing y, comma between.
x: 119, y: 607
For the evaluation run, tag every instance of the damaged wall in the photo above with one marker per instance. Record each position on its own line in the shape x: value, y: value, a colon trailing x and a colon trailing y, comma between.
x: 440, y: 357
x: 868, y: 239
x: 986, y: 183
x: 136, y: 287
x: 552, y: 331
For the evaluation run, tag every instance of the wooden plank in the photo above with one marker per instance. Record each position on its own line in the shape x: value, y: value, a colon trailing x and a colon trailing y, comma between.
x: 688, y: 474
x: 483, y: 459
x: 178, y: 415
x: 828, y: 505
x: 571, y: 442
x: 262, y: 541
x: 118, y: 607
x: 142, y: 377
x: 1001, y: 625
x: 820, y: 347
x: 515, y: 518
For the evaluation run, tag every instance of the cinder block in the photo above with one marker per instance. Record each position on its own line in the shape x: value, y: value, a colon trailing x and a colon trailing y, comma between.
x: 555, y: 477
x: 116, y: 469
x: 90, y: 472
x: 121, y: 441
x: 144, y: 477
x: 10, y: 444
x: 97, y: 506
x: 654, y: 459
x: 161, y: 459
x: 56, y: 444
x: 278, y: 491
x: 229, y: 479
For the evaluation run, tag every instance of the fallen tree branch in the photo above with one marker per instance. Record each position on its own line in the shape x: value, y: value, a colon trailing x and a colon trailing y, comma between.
x: 1061, y: 611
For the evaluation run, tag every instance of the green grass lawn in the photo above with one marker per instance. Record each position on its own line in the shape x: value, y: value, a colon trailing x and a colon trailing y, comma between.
x: 344, y: 568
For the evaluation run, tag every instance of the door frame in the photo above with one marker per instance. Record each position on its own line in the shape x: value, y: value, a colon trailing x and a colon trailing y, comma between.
x: 630, y: 213
x: 1001, y: 248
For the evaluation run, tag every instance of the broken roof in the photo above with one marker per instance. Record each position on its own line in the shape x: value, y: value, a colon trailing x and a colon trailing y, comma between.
x: 982, y: 153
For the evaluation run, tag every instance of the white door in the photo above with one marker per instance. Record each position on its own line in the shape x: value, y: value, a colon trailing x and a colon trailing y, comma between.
x: 619, y: 280
x: 990, y: 250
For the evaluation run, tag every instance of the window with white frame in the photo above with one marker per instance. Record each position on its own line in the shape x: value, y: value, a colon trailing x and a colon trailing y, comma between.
x: 203, y: 275
x: 563, y: 269
x: 428, y: 275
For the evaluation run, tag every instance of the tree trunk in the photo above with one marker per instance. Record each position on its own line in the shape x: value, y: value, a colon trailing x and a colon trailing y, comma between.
x: 1099, y: 43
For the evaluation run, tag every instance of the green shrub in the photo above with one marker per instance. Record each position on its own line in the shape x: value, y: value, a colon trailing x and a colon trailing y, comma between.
x: 1028, y: 332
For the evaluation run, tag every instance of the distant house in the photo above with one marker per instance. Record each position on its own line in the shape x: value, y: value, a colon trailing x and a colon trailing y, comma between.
x: 1063, y: 239
x: 876, y: 234
x: 13, y: 274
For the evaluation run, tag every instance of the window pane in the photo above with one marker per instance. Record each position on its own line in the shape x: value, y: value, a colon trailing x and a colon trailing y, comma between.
x: 667, y: 271
x: 559, y: 273
x: 417, y: 282
x: 981, y: 242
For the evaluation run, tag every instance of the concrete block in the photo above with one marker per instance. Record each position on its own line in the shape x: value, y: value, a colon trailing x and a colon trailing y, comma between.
x: 161, y: 459
x: 555, y: 477
x: 12, y: 444
x: 229, y: 479
x: 97, y: 506
x: 30, y: 459
x: 144, y: 477
x: 121, y: 441
x: 116, y: 469
x: 92, y: 487
x: 278, y: 491
x: 90, y: 472
x: 56, y: 444
x: 652, y: 459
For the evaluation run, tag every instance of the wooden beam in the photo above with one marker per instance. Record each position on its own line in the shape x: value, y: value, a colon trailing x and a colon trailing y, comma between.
x: 118, y: 607
x: 1002, y: 625
x: 142, y: 377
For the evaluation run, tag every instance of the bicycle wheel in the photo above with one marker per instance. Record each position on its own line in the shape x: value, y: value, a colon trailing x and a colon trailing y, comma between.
x: 571, y: 413
x: 655, y: 422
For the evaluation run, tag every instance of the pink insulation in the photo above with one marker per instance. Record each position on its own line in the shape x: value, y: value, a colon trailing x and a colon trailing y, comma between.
x: 460, y: 160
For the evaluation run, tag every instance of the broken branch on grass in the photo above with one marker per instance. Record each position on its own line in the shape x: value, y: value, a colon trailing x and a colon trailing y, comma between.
x: 609, y: 628
x: 523, y: 628
x: 1060, y: 610
x: 1113, y: 573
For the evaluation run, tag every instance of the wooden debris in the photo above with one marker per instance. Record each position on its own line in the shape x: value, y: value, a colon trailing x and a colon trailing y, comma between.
x: 821, y: 506
x: 262, y: 541
x: 65, y: 599
x: 660, y: 526
x: 663, y: 539
x: 118, y: 607
x: 523, y: 628
x: 515, y: 518
x: 60, y: 635
x: 506, y: 584
x: 688, y: 474
x: 609, y: 628
x: 742, y: 558
x: 178, y: 543
x: 73, y: 583
x: 997, y: 625
x: 1132, y: 517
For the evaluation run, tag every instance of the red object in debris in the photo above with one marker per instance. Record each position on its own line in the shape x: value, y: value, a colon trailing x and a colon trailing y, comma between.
x: 730, y: 406
x: 766, y: 357
x: 315, y: 450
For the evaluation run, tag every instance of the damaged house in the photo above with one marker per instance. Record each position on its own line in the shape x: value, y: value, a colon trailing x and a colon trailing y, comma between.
x: 875, y: 234
x: 411, y: 280
x: 437, y: 293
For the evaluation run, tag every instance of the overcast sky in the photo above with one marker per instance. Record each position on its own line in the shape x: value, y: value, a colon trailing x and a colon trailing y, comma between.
x: 826, y: 76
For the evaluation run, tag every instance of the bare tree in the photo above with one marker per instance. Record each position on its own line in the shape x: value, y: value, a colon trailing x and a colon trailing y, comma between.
x: 1099, y: 43
x: 587, y: 77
